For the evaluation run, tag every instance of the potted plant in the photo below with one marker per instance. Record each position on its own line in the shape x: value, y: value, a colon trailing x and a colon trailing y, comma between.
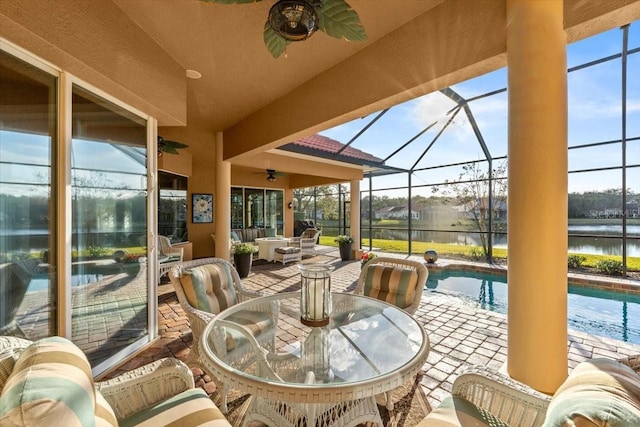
x: 242, y: 257
x: 344, y: 243
x: 366, y: 257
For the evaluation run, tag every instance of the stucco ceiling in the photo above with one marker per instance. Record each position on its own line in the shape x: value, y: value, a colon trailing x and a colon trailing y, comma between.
x: 224, y: 43
x: 138, y: 51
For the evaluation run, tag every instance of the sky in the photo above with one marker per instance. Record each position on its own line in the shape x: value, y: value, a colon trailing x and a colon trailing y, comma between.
x: 594, y: 99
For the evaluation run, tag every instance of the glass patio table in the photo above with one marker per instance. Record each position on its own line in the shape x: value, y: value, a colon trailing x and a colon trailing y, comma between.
x: 316, y: 375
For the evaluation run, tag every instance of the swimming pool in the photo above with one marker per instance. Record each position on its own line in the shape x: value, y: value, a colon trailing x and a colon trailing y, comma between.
x: 598, y: 312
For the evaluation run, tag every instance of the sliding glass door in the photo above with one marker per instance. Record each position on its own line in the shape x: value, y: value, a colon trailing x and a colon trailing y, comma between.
x: 74, y: 213
x: 109, y: 226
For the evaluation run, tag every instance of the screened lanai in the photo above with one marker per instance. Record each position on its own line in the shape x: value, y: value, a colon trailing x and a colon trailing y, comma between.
x: 443, y: 175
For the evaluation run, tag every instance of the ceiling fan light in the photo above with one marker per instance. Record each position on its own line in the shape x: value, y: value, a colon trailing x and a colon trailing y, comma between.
x: 295, y: 20
x: 271, y: 178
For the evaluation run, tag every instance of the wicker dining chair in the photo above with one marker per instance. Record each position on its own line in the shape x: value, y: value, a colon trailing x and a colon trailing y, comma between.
x: 397, y: 281
x: 207, y: 286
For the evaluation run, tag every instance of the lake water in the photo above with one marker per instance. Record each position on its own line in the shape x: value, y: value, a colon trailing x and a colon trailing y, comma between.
x: 599, y: 244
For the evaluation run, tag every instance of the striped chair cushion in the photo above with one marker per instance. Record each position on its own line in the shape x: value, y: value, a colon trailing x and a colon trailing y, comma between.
x: 189, y: 408
x: 456, y: 412
x: 599, y: 392
x: 209, y: 287
x: 7, y: 361
x: 394, y: 285
x: 52, y: 384
x: 287, y: 250
x: 256, y: 321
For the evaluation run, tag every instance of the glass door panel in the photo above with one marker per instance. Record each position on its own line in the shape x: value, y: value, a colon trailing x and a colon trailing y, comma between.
x: 254, y: 205
x: 237, y: 211
x: 28, y: 297
x: 109, y: 227
x: 274, y: 211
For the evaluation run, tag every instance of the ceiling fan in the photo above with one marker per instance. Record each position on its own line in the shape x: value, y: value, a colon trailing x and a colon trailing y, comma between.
x: 297, y: 20
x: 272, y: 174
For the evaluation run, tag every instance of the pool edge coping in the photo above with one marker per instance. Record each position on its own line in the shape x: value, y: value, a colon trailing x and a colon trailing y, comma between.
x: 583, y: 280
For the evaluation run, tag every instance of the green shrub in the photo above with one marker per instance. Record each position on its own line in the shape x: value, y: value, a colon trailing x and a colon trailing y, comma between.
x: 576, y: 261
x: 96, y: 251
x: 476, y: 253
x: 610, y: 267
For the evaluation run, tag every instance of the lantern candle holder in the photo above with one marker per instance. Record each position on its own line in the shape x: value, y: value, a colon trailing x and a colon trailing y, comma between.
x: 315, y: 298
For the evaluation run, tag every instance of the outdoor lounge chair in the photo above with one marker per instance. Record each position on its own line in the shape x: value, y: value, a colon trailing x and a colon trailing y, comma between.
x: 306, y: 241
x: 207, y: 286
x: 394, y: 280
x: 49, y: 382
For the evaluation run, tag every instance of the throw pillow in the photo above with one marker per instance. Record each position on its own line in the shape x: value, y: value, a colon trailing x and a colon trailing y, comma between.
x: 51, y: 384
x: 599, y: 392
x: 391, y: 284
x: 209, y: 287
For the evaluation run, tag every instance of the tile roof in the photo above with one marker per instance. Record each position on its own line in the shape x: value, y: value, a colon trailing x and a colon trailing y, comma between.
x: 322, y: 143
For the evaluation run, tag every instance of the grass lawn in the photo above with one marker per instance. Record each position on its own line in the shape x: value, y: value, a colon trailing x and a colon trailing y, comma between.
x: 472, y: 252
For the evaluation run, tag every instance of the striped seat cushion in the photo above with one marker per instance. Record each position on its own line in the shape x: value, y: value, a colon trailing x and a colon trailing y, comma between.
x: 52, y: 384
x: 599, y: 392
x: 457, y: 412
x: 287, y: 250
x: 187, y: 409
x: 256, y: 321
x: 209, y: 287
x: 394, y: 285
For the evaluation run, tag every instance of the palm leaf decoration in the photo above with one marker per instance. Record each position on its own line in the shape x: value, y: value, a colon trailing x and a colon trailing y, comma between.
x: 166, y: 146
x: 336, y: 18
x: 339, y: 20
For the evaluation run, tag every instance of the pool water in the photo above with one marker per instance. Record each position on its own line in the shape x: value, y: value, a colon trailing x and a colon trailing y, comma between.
x: 42, y: 282
x: 598, y: 312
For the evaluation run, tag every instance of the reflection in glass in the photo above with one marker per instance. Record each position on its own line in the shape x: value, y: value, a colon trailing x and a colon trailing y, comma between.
x: 27, y: 211
x: 109, y: 227
x: 172, y: 207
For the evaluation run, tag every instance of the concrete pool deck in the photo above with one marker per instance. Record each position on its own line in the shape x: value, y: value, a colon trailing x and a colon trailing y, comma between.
x: 460, y: 335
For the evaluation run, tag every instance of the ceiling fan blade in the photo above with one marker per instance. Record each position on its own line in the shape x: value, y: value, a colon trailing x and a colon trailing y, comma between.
x: 338, y: 19
x: 275, y: 43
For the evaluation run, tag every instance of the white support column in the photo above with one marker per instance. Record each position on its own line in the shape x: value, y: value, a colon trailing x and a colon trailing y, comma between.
x: 354, y: 212
x: 222, y: 201
x: 538, y: 184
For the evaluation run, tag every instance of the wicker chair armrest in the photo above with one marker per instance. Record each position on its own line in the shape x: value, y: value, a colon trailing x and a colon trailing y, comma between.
x: 140, y: 388
x: 14, y: 343
x: 511, y: 401
x: 246, y: 295
x: 632, y: 361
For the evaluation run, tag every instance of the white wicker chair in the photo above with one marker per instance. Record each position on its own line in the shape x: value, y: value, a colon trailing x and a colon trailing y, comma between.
x: 168, y: 250
x: 306, y: 241
x: 511, y: 401
x: 418, y: 267
x: 396, y: 263
x: 198, y: 319
x: 132, y: 391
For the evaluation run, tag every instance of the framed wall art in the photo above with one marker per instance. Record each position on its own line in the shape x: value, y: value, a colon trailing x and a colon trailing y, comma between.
x: 202, y: 208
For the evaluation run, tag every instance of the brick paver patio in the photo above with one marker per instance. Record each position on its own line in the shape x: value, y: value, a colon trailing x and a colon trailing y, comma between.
x: 460, y: 335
